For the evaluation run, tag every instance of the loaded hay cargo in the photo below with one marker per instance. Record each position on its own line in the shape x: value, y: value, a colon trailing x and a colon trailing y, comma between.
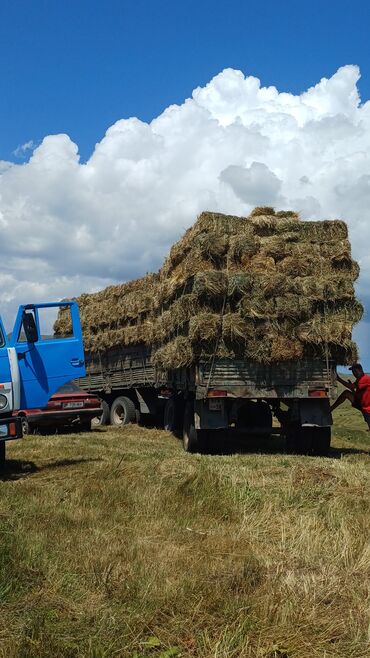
x: 245, y: 313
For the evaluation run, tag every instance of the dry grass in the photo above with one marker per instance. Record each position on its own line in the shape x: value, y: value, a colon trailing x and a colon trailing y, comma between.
x: 117, y: 543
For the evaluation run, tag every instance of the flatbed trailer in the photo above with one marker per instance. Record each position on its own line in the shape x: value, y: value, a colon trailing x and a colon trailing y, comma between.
x: 235, y: 395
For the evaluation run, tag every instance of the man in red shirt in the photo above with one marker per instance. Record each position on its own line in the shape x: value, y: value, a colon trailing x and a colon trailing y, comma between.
x: 358, y: 393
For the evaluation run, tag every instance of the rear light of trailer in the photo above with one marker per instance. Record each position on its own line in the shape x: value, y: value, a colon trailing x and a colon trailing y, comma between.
x: 214, y: 393
x: 317, y: 393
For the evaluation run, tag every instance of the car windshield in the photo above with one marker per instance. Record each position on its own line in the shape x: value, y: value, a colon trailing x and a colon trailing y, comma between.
x: 71, y: 387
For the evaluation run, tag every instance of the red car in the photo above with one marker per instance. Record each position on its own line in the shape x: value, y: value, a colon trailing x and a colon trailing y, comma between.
x: 68, y: 407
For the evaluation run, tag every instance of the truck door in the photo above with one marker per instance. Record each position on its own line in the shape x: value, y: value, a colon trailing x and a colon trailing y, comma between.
x: 47, y: 339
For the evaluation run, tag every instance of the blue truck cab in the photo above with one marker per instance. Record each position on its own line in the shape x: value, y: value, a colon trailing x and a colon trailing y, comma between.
x: 41, y: 354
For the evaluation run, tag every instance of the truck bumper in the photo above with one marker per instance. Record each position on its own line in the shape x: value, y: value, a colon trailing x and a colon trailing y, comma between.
x: 10, y: 428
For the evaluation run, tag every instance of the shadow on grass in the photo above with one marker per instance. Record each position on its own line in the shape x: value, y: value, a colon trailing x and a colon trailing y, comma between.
x: 15, y: 469
x: 226, y: 445
x: 337, y: 453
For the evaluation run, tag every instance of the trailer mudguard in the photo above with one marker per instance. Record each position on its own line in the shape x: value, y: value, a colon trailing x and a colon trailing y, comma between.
x: 50, y: 360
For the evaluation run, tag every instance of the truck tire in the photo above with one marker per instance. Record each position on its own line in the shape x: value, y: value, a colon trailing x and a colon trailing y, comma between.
x: 122, y: 412
x: 308, y: 440
x: 298, y: 439
x: 174, y: 416
x: 104, y: 419
x: 321, y: 439
x: 169, y: 421
x: 191, y: 437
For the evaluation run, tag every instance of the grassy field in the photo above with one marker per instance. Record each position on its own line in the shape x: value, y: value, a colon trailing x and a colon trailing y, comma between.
x: 116, y: 543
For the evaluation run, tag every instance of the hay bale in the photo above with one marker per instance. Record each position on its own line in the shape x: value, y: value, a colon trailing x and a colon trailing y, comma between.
x: 267, y: 287
x: 262, y: 211
x: 242, y: 247
x: 205, y: 328
x: 236, y: 328
x: 260, y: 264
x: 240, y: 284
x: 177, y: 353
x: 211, y: 284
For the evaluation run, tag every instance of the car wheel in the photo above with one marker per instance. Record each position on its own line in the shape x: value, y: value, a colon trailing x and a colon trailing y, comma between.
x: 103, y: 419
x: 84, y: 426
x: 25, y: 426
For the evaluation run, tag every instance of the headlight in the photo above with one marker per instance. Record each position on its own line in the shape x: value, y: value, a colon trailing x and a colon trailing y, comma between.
x: 3, y: 401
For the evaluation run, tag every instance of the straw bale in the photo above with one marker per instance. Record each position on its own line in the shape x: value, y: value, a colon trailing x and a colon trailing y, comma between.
x: 261, y: 264
x: 243, y: 246
x: 300, y: 249
x: 293, y: 266
x: 205, y: 327
x: 262, y: 210
x: 285, y: 348
x: 324, y: 231
x: 274, y: 246
x: 259, y: 349
x: 274, y: 284
x: 293, y: 306
x: 265, y: 287
x: 257, y: 307
x: 264, y: 225
x: 235, y: 327
x: 287, y: 214
x: 214, y: 283
x: 328, y: 287
x: 177, y: 353
x: 212, y: 246
x: 240, y: 284
x: 332, y: 329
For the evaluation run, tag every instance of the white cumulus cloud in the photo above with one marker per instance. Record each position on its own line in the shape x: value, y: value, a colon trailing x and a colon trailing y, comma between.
x: 68, y: 227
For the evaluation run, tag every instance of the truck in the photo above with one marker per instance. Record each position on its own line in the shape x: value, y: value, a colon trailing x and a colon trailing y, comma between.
x: 34, y: 362
x: 236, y: 397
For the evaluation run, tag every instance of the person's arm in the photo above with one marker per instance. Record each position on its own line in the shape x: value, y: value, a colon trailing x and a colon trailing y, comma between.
x: 350, y: 385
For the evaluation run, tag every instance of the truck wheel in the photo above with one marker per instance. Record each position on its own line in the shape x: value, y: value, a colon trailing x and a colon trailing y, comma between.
x: 122, y: 412
x: 321, y: 438
x: 169, y: 415
x: 191, y: 437
x: 103, y: 419
x: 309, y: 440
x: 299, y: 440
x: 174, y: 416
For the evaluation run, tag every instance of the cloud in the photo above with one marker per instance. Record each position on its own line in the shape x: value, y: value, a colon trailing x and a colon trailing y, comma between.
x: 68, y: 226
x: 22, y: 149
x: 255, y: 184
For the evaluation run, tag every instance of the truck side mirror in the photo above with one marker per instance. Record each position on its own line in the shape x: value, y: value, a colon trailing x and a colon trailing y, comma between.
x: 29, y: 327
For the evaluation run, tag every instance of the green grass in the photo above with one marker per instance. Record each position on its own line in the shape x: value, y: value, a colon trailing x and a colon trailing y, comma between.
x: 117, y: 543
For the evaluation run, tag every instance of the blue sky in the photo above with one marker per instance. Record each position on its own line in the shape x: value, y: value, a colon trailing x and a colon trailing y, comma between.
x: 73, y: 71
x: 76, y: 66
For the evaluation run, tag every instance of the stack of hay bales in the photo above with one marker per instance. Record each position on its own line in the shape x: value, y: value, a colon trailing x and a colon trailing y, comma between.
x: 266, y: 288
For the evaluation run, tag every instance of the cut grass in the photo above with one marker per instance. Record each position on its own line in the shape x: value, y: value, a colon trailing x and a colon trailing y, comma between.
x: 116, y: 543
